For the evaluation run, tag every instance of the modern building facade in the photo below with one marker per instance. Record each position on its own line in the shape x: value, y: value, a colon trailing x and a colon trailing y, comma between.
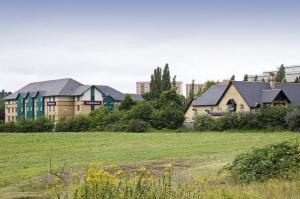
x: 243, y: 96
x: 60, y: 98
x: 144, y: 87
x: 291, y: 73
x: 197, y: 88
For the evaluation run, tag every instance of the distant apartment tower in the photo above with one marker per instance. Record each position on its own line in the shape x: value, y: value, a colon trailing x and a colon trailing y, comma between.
x: 197, y: 88
x: 144, y: 87
x: 291, y: 73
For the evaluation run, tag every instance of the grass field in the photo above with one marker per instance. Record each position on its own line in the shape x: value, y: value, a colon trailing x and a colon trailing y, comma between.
x: 24, y: 156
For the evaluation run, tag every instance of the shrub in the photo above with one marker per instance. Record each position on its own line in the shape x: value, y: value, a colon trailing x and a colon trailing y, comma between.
x: 141, y: 111
x: 171, y: 117
x: 293, y: 120
x: 272, y: 117
x: 274, y: 161
x: 137, y: 126
x: 203, y: 122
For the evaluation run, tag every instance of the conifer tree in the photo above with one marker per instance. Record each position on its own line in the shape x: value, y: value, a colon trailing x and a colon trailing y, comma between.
x: 280, y: 76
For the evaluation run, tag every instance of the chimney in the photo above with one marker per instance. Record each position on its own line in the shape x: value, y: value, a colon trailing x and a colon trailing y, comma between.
x: 272, y: 80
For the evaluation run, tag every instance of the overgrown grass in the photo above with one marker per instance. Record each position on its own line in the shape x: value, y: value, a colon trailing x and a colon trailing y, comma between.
x: 24, y: 156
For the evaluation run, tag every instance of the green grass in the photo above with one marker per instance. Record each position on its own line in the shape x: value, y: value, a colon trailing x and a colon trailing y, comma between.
x: 24, y: 156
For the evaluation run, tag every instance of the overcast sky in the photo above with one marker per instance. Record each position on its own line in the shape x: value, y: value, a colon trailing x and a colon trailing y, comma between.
x: 120, y: 42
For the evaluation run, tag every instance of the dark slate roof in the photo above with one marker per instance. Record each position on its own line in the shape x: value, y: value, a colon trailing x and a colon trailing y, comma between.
x: 291, y: 90
x: 212, y: 96
x: 107, y: 90
x: 251, y: 91
x: 268, y: 96
x: 137, y: 97
x: 59, y: 87
x: 254, y: 93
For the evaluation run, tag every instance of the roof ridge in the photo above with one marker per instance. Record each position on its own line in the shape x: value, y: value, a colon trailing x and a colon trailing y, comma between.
x: 67, y: 80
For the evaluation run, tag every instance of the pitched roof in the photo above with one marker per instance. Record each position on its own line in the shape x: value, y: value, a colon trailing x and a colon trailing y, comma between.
x: 212, y: 96
x: 254, y: 93
x: 59, y: 87
x: 107, y: 90
x: 291, y: 90
x: 136, y: 97
x: 251, y: 91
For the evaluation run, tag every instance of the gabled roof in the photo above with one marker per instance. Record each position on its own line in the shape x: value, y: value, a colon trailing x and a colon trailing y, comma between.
x: 107, y: 90
x: 59, y: 87
x: 254, y: 93
x: 212, y: 96
x: 268, y: 96
x: 251, y: 91
x: 291, y: 90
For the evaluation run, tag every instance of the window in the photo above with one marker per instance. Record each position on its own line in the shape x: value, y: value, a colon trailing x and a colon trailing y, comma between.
x: 78, y: 108
x: 8, y: 110
x: 8, y: 118
x: 53, y: 99
x: 50, y: 108
x: 211, y: 108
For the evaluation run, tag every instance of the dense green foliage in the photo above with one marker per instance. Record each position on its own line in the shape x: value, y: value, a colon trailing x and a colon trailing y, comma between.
x: 246, y: 77
x: 25, y: 126
x: 293, y: 120
x: 3, y: 94
x: 274, y: 161
x: 127, y: 103
x: 270, y: 118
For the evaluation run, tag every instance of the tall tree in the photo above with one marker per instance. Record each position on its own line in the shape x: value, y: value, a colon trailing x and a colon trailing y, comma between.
x: 280, y: 76
x: 263, y: 80
x: 255, y: 78
x: 166, y: 79
x: 232, y: 77
x: 155, y: 83
x: 191, y: 93
x: 174, y: 82
x: 246, y: 77
x: 297, y: 80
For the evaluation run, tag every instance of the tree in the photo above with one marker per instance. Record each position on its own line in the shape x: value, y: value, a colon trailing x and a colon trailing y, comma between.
x: 174, y: 81
x: 232, y: 77
x: 246, y: 77
x: 127, y: 103
x: 263, y: 80
x: 191, y: 93
x: 166, y: 83
x: 155, y: 84
x: 297, y: 80
x: 280, y: 76
x: 255, y: 78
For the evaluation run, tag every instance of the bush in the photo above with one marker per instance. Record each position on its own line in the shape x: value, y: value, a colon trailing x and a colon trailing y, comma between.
x: 141, y: 111
x: 274, y: 161
x: 137, y: 126
x: 203, y: 123
x: 171, y: 117
x: 272, y: 117
x: 77, y: 124
x: 293, y: 120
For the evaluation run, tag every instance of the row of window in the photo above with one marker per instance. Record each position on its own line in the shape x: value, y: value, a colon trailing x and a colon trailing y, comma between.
x: 10, y: 102
x: 11, y: 118
x: 11, y: 109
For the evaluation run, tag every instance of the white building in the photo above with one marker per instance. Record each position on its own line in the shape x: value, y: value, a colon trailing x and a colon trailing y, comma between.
x: 291, y: 72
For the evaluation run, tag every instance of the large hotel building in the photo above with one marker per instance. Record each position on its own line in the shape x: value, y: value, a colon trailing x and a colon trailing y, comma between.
x: 60, y: 98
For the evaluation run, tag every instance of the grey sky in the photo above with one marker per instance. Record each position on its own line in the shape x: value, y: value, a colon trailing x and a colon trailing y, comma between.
x: 118, y: 44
